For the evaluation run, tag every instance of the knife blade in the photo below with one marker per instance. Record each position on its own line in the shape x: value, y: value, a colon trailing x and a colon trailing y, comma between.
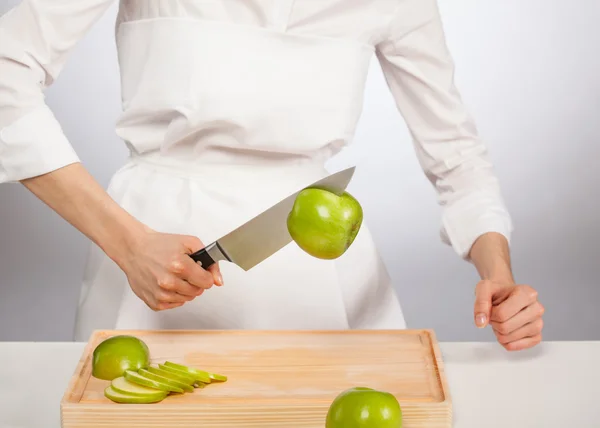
x: 265, y: 234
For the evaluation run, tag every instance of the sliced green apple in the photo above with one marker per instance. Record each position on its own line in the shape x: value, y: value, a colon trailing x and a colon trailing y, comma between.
x: 120, y: 397
x: 179, y: 375
x: 215, y: 377
x: 139, y: 379
x: 124, y: 386
x: 119, y: 353
x: 166, y: 380
x: 199, y: 375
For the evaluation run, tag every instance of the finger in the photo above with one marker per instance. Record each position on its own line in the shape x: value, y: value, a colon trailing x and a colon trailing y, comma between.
x: 167, y: 306
x: 196, y: 275
x: 185, y: 269
x: 528, y: 330
x: 216, y: 273
x: 483, y: 302
x: 520, y: 298
x: 529, y: 314
x: 527, y: 342
x: 179, y: 285
x: 172, y: 297
x: 192, y: 243
x: 501, y: 295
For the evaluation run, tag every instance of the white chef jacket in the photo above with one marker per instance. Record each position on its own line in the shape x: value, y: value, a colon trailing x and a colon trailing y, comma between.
x: 221, y: 96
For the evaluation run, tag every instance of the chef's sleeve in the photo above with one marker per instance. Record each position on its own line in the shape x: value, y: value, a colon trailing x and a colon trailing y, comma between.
x: 36, y: 37
x: 420, y: 74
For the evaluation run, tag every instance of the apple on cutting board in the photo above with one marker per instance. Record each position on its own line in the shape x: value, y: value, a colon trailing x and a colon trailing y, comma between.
x: 124, y: 361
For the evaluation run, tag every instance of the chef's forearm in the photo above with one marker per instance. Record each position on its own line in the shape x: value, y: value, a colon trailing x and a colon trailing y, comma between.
x: 78, y: 198
x: 491, y: 256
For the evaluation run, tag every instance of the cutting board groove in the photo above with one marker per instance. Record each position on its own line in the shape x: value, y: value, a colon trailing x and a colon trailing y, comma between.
x: 275, y: 378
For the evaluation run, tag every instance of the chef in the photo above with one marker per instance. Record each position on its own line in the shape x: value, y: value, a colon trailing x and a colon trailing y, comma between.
x: 229, y: 106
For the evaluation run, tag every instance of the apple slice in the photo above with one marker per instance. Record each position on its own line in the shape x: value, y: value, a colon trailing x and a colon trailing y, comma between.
x: 120, y: 397
x: 124, y: 386
x: 135, y: 377
x: 175, y: 374
x: 215, y: 377
x: 201, y: 375
x: 166, y: 380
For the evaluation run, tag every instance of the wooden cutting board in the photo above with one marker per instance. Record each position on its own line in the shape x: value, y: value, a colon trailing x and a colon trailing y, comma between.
x: 277, y: 379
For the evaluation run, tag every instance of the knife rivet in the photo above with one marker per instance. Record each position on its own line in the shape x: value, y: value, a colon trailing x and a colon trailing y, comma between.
x: 199, y: 263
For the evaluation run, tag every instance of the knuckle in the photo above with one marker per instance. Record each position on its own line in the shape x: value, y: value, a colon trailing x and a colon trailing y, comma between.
x: 539, y: 325
x: 532, y: 293
x: 503, y: 329
x: 528, y: 291
x: 177, y: 266
x: 167, y: 283
x: 154, y: 306
x: 541, y: 309
x: 163, y: 306
x: 194, y: 242
x: 502, y: 316
x: 162, y: 297
x: 502, y: 338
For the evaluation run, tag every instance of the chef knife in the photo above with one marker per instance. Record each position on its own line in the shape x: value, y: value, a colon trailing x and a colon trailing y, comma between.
x: 265, y: 234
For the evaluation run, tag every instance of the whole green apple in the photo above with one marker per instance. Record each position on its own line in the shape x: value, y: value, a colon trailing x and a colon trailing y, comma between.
x: 323, y: 223
x: 363, y: 407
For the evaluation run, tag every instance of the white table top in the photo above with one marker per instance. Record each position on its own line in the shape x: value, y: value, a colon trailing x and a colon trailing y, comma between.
x: 555, y: 385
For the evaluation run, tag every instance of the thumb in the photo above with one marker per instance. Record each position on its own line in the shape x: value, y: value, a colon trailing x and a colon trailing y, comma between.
x: 216, y: 272
x: 484, y: 292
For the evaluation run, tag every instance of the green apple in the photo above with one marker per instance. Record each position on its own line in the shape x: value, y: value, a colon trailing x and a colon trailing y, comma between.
x: 171, y: 373
x: 140, y: 379
x: 323, y: 223
x: 200, y: 375
x: 113, y: 356
x: 120, y: 397
x: 159, y: 378
x: 124, y: 386
x: 363, y: 407
x: 215, y: 377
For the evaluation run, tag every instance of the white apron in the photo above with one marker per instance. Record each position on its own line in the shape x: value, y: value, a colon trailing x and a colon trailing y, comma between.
x: 231, y: 105
x: 218, y: 133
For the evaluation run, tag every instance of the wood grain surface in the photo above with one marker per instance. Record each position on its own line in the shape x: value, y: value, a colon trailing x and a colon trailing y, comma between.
x: 275, y: 379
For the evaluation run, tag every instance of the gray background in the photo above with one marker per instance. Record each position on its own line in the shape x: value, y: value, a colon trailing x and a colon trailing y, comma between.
x: 529, y: 70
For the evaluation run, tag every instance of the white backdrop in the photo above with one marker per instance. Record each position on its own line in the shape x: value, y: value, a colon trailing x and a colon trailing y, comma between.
x: 529, y: 70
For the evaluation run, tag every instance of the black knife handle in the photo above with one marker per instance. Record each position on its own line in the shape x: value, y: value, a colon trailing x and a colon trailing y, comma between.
x: 203, y: 257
